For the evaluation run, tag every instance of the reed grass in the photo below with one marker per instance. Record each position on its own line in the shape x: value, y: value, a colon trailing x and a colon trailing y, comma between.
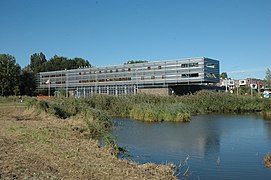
x: 153, y: 108
x: 97, y: 121
x: 160, y: 112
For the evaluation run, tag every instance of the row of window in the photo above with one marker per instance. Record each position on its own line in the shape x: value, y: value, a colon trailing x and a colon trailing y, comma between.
x: 53, y: 75
x: 57, y: 82
x: 117, y: 70
x: 129, y: 69
x: 105, y: 80
x: 124, y: 79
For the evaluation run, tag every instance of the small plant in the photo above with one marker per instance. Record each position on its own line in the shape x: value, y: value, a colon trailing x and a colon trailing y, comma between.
x: 110, y: 142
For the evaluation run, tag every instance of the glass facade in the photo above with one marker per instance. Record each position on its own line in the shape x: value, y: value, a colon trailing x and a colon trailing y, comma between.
x: 128, y: 78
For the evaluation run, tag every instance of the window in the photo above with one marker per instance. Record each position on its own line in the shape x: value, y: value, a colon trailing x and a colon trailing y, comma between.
x: 152, y: 77
x: 190, y: 75
x: 142, y: 77
x: 194, y: 75
x: 184, y: 65
x: 193, y: 64
x: 210, y: 65
x: 149, y: 68
x: 159, y: 67
x: 129, y: 69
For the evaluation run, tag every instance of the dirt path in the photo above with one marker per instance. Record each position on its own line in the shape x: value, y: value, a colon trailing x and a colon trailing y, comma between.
x: 41, y: 147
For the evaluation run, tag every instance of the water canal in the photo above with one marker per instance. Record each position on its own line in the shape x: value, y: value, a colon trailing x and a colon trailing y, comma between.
x: 209, y: 147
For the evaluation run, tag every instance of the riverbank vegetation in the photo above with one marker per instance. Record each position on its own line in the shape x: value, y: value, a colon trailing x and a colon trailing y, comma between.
x: 97, y: 121
x: 40, y: 146
x: 68, y: 129
x: 150, y: 107
x: 170, y: 108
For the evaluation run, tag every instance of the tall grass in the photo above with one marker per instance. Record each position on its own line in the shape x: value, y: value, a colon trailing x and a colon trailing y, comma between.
x: 13, y: 99
x: 160, y: 112
x: 175, y: 108
x: 208, y: 101
x: 97, y: 121
x: 154, y: 108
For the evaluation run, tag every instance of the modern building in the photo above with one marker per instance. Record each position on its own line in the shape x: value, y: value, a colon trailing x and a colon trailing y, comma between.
x: 159, y: 77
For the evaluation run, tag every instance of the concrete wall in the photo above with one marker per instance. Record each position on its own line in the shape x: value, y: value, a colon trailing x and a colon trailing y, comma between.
x: 154, y: 91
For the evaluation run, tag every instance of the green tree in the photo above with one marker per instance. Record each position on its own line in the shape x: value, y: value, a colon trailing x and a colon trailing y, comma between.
x: 79, y: 62
x: 36, y: 62
x: 224, y: 75
x: 28, y: 82
x: 16, y: 90
x: 61, y: 63
x: 9, y: 74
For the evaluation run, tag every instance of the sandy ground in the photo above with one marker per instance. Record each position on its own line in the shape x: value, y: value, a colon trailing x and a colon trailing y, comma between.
x: 43, y: 147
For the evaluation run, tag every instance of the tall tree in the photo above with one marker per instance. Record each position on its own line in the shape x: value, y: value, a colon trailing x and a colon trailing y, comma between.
x: 80, y: 62
x: 61, y: 63
x: 28, y: 82
x: 9, y: 75
x: 36, y: 62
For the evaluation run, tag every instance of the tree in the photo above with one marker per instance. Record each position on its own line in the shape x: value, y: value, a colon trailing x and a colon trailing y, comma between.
x: 61, y: 63
x: 268, y: 77
x: 28, y: 82
x: 9, y: 74
x: 80, y: 62
x: 36, y: 62
x: 224, y: 75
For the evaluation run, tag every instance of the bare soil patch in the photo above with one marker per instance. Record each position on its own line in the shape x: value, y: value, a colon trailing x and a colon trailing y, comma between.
x: 37, y: 146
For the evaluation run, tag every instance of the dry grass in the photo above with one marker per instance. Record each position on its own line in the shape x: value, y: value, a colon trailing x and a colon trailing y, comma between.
x: 267, y: 161
x: 42, y: 147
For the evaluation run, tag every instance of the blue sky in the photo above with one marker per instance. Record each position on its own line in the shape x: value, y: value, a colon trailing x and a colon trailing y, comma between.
x: 110, y: 32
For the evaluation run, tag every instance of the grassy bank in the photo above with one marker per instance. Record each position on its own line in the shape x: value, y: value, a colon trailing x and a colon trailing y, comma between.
x: 40, y: 146
x: 156, y: 108
x: 55, y: 138
x: 175, y: 108
x: 97, y: 121
x: 150, y: 107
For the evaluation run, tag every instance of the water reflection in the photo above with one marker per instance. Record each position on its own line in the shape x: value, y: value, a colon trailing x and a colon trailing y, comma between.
x: 219, y: 146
